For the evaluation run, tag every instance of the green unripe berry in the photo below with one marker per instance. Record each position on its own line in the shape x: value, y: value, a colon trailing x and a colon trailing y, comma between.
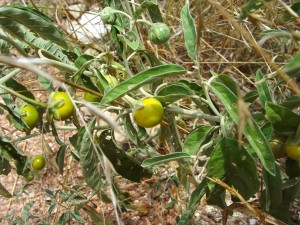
x: 107, y: 15
x: 159, y: 33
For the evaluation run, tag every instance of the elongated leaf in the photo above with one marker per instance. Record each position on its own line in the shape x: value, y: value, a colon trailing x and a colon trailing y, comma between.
x: 9, y: 151
x: 52, y: 50
x: 46, y: 84
x: 193, y: 203
x: 96, y: 217
x: 292, y: 69
x: 235, y: 166
x: 272, y: 195
x: 4, y: 192
x: 143, y: 7
x: 229, y: 83
x: 132, y: 41
x: 124, y: 164
x: 60, y: 157
x: 173, y: 92
x: 292, y: 102
x: 26, y: 209
x: 15, y: 85
x: 154, y: 12
x: 88, y: 158
x: 5, y: 167
x: 196, y: 138
x: 35, y: 22
x: 263, y: 89
x: 283, y: 120
x: 12, y: 110
x: 165, y: 158
x: 140, y: 79
x: 251, y: 96
x: 253, y: 133
x: 291, y: 190
x: 189, y: 31
x: 251, y: 7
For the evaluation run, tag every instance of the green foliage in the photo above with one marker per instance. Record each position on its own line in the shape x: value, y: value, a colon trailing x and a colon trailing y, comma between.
x: 211, y: 126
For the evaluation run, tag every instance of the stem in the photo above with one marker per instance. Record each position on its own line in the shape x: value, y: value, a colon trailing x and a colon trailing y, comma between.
x: 10, y: 75
x: 54, y: 63
x: 142, y: 21
x: 29, y: 100
x: 123, y: 13
x: 192, y: 113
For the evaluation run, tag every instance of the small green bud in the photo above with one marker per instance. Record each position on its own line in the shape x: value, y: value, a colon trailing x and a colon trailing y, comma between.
x: 159, y: 33
x: 107, y: 15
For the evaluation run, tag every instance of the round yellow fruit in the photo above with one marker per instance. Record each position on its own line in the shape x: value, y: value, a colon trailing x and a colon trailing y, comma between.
x: 66, y: 108
x: 38, y: 162
x: 150, y: 114
x: 292, y: 148
x: 29, y: 115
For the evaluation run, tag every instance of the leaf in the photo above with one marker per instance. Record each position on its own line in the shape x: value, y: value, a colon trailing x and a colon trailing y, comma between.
x: 131, y: 39
x: 292, y: 102
x: 5, y: 167
x: 173, y: 92
x: 143, y: 7
x: 81, y: 60
x: 272, y: 196
x: 251, y: 96
x: 253, y: 133
x: 4, y: 192
x: 193, y: 202
x: 165, y: 158
x: 25, y: 210
x: 251, y: 7
x: 124, y: 164
x: 140, y: 79
x: 63, y: 218
x: 50, y: 49
x: 154, y: 61
x: 282, y: 119
x: 76, y: 216
x: 88, y: 157
x: 15, y: 85
x: 155, y: 13
x: 263, y: 89
x: 9, y: 151
x: 292, y: 69
x: 189, y: 31
x: 234, y: 165
x: 96, y: 217
x: 60, y: 157
x: 114, y: 36
x: 229, y: 83
x: 46, y: 84
x: 196, y: 138
x: 35, y: 22
x: 291, y: 190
